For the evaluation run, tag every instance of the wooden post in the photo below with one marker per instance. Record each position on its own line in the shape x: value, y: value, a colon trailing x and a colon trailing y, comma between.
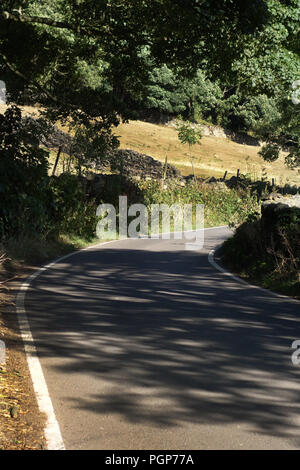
x: 164, y: 175
x: 166, y: 167
x: 56, y: 161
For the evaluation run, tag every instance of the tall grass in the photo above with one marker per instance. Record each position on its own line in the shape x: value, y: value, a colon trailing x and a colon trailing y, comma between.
x: 222, y: 206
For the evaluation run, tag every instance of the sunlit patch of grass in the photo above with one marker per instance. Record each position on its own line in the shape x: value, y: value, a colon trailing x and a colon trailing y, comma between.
x: 213, y: 157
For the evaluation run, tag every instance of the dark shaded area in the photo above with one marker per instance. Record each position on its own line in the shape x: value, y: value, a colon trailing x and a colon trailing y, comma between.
x: 202, y: 347
x: 266, y: 248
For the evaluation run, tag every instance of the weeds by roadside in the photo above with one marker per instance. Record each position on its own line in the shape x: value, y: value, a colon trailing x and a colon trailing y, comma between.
x: 223, y: 206
x: 266, y: 251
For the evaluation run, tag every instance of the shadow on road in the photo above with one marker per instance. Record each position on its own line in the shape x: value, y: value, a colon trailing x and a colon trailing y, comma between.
x: 173, y: 340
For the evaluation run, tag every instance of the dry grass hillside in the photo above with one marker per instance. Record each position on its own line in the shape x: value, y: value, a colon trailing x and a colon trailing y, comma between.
x: 25, y: 110
x: 213, y: 157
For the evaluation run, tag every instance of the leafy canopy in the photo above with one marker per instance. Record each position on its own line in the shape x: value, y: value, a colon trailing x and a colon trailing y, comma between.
x: 84, y: 60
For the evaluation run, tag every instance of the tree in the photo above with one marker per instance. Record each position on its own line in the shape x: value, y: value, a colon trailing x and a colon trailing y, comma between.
x: 270, y: 59
x: 285, y: 134
x: 168, y: 93
x: 23, y: 175
x: 164, y: 92
x: 83, y: 60
x: 187, y: 134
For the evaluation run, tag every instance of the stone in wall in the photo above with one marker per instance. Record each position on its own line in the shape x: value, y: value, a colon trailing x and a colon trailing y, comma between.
x: 134, y: 164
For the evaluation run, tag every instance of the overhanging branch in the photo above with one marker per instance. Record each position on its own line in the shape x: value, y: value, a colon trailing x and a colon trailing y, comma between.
x: 35, y: 19
x: 13, y: 69
x: 77, y: 28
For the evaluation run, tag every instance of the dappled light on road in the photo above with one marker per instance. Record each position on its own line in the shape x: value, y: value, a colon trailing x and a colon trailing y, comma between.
x: 154, y: 340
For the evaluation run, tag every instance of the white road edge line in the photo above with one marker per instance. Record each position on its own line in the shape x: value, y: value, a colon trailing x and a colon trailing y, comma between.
x: 212, y: 261
x: 52, y: 431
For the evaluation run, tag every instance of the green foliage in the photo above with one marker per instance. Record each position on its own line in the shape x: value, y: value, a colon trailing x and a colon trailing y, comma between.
x: 90, y: 63
x: 168, y: 93
x: 204, y: 97
x: 293, y: 159
x: 74, y: 39
x: 96, y: 61
x: 270, y: 152
x: 91, y: 143
x: 85, y: 59
x: 270, y: 60
x: 30, y: 202
x: 24, y: 193
x: 72, y: 212
x: 258, y: 114
x: 222, y: 206
x: 164, y: 92
x: 285, y: 133
x: 267, y: 250
x: 199, y: 98
x: 188, y: 134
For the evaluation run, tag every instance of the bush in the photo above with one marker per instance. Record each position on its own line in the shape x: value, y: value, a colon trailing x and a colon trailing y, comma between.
x: 222, y: 205
x: 266, y: 249
x: 258, y: 114
x: 71, y: 211
x: 24, y: 193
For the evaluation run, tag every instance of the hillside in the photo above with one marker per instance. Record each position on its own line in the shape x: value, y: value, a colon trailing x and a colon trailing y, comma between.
x: 213, y: 157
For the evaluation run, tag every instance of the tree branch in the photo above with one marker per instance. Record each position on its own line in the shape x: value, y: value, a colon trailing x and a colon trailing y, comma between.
x: 35, y: 19
x: 77, y: 28
x: 13, y: 69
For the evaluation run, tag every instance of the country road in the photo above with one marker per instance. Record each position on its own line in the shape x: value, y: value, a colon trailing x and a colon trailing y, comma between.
x: 145, y: 345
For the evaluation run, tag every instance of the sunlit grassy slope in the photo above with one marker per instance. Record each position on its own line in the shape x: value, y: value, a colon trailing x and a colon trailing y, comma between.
x: 213, y: 157
x: 26, y: 110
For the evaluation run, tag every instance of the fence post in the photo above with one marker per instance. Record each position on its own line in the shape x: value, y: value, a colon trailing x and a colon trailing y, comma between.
x: 56, y: 161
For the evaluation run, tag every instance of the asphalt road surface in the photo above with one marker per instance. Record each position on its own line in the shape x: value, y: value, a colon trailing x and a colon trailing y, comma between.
x: 145, y: 345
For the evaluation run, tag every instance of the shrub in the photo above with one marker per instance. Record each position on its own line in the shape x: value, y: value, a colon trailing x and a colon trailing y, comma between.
x: 71, y: 211
x: 267, y: 248
x: 24, y: 194
x: 222, y: 205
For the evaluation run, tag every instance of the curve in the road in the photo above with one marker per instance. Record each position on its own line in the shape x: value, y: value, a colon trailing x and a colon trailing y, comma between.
x: 142, y: 344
